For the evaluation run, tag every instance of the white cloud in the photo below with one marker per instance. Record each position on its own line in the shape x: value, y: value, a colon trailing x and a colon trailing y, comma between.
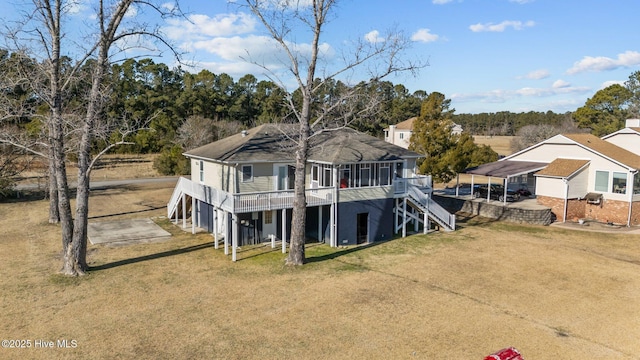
x: 132, y: 11
x: 373, y: 37
x: 202, y: 26
x: 537, y: 74
x: 501, y: 96
x: 75, y: 6
x: 424, y: 35
x: 260, y: 49
x: 441, y: 2
x: 606, y: 84
x: 603, y: 63
x: 559, y: 84
x: 521, y: 1
x: 491, y: 27
x: 169, y: 6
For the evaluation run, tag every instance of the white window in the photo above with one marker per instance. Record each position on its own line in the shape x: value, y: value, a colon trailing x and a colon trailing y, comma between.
x: 401, y: 136
x: 201, y: 171
x: 314, y: 172
x: 619, y: 183
x: 247, y: 173
x: 326, y: 175
x: 602, y: 181
x: 385, y: 174
x: 365, y: 175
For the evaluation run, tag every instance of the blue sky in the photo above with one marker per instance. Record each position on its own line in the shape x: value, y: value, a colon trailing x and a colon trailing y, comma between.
x: 484, y: 55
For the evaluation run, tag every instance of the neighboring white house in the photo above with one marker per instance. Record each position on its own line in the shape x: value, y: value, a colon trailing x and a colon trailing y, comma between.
x: 359, y: 189
x: 579, y: 176
x: 400, y: 133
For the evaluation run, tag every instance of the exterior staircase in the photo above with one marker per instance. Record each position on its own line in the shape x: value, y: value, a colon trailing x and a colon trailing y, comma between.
x: 425, y: 204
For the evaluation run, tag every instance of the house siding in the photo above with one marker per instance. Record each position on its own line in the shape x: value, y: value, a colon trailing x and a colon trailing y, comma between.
x: 373, y: 193
x: 630, y: 141
x: 550, y: 187
x: 579, y: 184
x: 262, y: 178
x: 380, y: 213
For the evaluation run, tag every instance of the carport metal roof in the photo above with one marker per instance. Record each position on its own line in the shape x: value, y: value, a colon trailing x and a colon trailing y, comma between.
x: 506, y: 168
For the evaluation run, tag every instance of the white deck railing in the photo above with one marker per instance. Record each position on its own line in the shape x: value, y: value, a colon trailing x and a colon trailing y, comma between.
x: 245, y: 202
x: 401, y: 185
x: 432, y: 208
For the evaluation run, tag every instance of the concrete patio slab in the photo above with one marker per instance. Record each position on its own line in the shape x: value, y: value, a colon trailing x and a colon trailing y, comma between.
x: 124, y: 232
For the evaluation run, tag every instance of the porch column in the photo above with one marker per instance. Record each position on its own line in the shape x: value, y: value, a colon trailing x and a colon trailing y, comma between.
x: 332, y: 226
x: 284, y: 231
x: 396, y: 211
x: 227, y: 233
x: 215, y: 228
x: 404, y: 217
x: 194, y: 215
x: 320, y: 237
x: 416, y: 223
x: 425, y: 222
x: 234, y: 236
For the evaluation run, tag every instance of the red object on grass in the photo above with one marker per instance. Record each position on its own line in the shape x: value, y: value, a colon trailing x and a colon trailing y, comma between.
x: 510, y: 353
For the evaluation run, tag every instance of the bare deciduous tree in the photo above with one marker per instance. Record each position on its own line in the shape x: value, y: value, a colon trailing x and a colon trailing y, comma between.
x: 286, y: 22
x: 39, y: 36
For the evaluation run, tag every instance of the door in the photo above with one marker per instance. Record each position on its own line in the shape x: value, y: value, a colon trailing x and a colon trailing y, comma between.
x: 285, y: 175
x: 362, y: 230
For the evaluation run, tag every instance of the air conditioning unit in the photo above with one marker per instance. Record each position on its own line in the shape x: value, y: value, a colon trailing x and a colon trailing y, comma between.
x: 593, y: 198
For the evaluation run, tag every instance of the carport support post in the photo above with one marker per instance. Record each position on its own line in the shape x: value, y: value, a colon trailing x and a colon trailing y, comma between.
x: 504, y: 195
x: 472, y: 194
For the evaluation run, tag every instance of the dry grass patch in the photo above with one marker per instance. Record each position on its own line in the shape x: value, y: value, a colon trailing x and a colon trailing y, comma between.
x: 109, y: 167
x: 499, y: 144
x: 551, y: 293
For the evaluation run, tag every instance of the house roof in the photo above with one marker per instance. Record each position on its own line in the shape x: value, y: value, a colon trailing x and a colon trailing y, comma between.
x: 506, y: 168
x: 607, y: 149
x: 627, y: 130
x: 273, y: 142
x: 563, y: 168
x: 406, y: 125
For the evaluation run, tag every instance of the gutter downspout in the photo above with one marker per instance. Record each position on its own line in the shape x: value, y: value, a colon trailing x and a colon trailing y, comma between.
x: 633, y: 175
x: 566, y: 199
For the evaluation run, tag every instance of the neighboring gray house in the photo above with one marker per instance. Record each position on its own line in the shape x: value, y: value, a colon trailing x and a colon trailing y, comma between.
x: 360, y: 189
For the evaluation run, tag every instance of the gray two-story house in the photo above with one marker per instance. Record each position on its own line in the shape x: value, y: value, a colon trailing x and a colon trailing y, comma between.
x: 359, y: 189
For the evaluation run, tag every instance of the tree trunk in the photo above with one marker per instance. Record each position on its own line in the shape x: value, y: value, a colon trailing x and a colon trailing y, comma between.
x: 297, y: 253
x: 62, y: 189
x: 54, y: 210
x: 76, y: 255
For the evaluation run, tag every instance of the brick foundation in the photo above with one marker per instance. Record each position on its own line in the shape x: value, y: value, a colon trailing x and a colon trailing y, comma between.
x: 607, y: 211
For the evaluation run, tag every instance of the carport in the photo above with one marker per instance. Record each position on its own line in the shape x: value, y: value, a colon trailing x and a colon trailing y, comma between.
x: 506, y: 170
